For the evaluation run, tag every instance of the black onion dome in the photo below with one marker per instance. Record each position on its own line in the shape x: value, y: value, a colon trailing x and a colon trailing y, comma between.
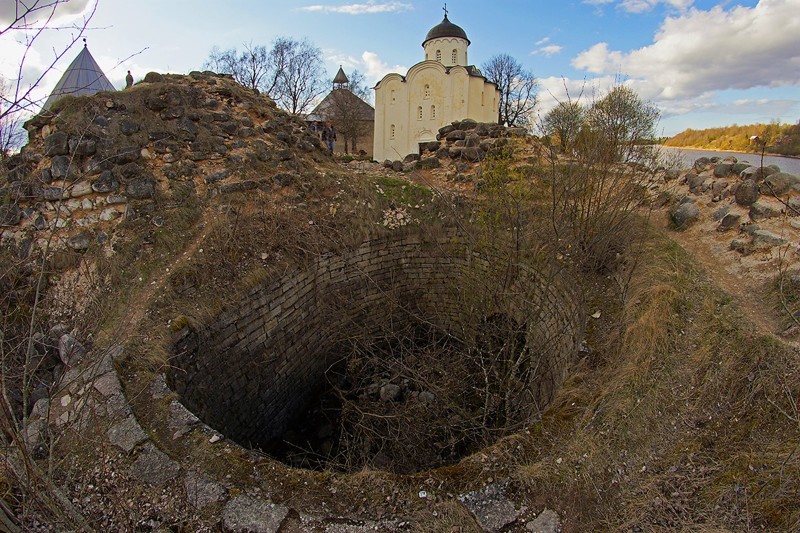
x: 445, y: 29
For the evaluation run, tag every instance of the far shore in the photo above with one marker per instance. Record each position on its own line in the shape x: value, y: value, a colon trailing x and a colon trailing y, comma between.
x: 731, y: 151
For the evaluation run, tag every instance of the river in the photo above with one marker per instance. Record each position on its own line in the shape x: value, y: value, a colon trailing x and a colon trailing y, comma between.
x: 688, y: 156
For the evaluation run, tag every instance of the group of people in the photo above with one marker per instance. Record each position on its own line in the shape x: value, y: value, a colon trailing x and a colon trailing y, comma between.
x: 326, y: 132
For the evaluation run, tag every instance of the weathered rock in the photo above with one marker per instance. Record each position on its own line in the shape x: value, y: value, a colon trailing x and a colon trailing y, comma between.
x: 80, y: 188
x: 466, y: 124
x: 10, y: 215
x: 761, y: 211
x: 69, y: 348
x: 779, y: 183
x: 106, y: 183
x: 456, y: 135
x: 723, y: 170
x: 747, y: 192
x: 61, y: 167
x: 764, y: 240
x: 445, y: 130
x: 126, y: 434
x: 202, y: 492
x: 56, y: 144
x: 490, y: 507
x: 671, y: 174
x: 79, y: 242
x: 428, y: 163
x: 757, y: 174
x: 696, y: 182
x: 217, y: 176
x: 252, y: 515
x: 728, y: 222
x: 397, y: 166
x: 128, y: 126
x: 737, y: 168
x: 82, y: 147
x: 112, y: 199
x: 547, y: 522
x: 154, y: 466
x: 472, y: 141
x: 720, y: 213
x: 180, y: 420
x: 284, y: 155
x: 126, y: 154
x: 140, y: 188
x: 153, y: 77
x: 684, y: 215
x: 472, y: 154
x: 701, y: 163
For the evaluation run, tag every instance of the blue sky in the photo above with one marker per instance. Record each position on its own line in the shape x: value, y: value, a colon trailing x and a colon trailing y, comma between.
x: 704, y: 63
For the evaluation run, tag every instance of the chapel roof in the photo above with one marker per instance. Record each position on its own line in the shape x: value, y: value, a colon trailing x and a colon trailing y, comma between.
x: 341, y: 77
x: 445, y: 29
x: 83, y: 76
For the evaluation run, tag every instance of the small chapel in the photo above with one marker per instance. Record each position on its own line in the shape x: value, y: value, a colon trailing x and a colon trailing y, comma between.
x: 444, y: 87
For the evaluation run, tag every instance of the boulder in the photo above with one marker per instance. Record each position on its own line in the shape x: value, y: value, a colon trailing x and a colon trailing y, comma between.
x: 82, y: 147
x: 61, y: 167
x: 671, y: 174
x: 411, y: 157
x: 761, y: 211
x: 69, y: 348
x: 80, y: 188
x: 456, y: 135
x: 701, y: 163
x: 472, y: 154
x: 445, y: 130
x: 472, y: 141
x: 127, y: 154
x: 397, y: 166
x: 53, y: 194
x: 723, y: 170
x: 747, y: 192
x: 764, y: 240
x: 779, y: 183
x: 729, y: 222
x: 128, y: 126
x: 757, y: 174
x: 685, y: 215
x: 79, y: 242
x: 56, y: 144
x: 737, y: 168
x: 696, y: 182
x: 391, y: 392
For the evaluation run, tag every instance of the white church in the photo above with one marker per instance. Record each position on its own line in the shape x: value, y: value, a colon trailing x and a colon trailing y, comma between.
x: 410, y: 109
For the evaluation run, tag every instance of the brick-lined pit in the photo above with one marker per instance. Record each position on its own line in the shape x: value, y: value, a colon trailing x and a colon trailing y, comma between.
x: 255, y: 368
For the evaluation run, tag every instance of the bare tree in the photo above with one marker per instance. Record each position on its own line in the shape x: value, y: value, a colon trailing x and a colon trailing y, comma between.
x: 564, y: 122
x: 28, y: 23
x: 301, y: 76
x: 291, y: 72
x: 623, y: 120
x: 251, y: 67
x: 518, y: 89
x: 348, y: 111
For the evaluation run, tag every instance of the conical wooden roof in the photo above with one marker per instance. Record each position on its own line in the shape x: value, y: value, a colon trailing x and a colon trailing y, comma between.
x: 341, y: 78
x: 83, y: 76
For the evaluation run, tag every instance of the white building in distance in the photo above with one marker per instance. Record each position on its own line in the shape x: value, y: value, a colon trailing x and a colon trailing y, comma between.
x: 410, y: 109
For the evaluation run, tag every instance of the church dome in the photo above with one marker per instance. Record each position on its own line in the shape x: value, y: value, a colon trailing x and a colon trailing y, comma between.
x: 445, y: 29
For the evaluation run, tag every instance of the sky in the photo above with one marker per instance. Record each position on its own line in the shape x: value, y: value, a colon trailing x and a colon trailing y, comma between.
x: 703, y: 63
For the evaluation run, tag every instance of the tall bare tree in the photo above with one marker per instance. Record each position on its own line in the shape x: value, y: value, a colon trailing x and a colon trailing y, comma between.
x: 518, y: 89
x: 290, y: 72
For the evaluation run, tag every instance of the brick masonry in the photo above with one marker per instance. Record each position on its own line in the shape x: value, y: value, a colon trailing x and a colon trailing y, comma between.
x: 258, y: 365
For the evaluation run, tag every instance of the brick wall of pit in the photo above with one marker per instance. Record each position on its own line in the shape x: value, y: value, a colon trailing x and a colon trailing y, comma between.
x: 250, y: 372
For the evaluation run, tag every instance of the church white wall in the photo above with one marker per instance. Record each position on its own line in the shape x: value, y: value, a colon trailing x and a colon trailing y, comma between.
x: 410, y: 110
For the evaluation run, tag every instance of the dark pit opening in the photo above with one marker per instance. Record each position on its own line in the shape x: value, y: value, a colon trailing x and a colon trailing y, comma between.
x: 403, y: 355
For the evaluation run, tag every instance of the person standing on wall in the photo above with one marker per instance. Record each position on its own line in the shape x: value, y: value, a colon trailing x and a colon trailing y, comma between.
x: 128, y: 80
x: 329, y: 136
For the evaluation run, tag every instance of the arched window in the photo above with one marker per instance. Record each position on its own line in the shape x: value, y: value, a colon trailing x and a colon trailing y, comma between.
x: 439, y: 56
x: 427, y: 91
x: 433, y: 111
x: 419, y: 113
x: 391, y: 131
x: 455, y: 56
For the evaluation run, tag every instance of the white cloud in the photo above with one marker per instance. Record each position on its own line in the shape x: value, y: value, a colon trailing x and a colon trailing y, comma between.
x: 371, y: 6
x: 375, y: 68
x: 701, y: 51
x: 642, y: 6
x: 62, y: 11
x: 549, y: 50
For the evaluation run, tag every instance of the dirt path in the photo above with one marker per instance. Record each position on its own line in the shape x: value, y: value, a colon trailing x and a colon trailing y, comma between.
x: 747, y: 279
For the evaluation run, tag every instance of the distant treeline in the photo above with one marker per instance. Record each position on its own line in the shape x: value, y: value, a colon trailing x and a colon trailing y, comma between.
x: 781, y: 139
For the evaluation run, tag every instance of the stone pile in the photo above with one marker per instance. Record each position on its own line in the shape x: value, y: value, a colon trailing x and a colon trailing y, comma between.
x: 746, y: 197
x: 463, y: 140
x: 94, y: 161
